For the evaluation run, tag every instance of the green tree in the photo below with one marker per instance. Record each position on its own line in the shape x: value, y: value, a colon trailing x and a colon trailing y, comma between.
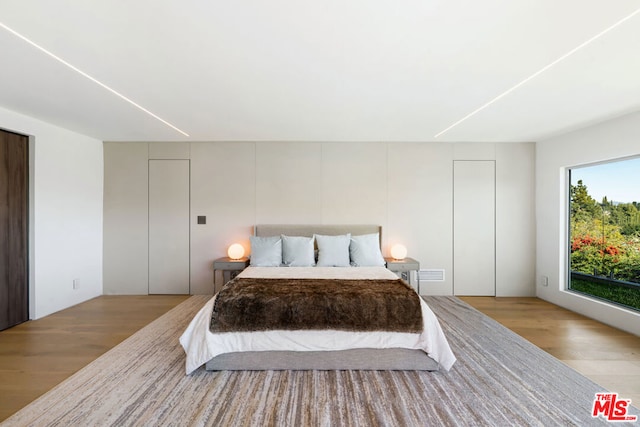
x: 627, y: 216
x: 583, y: 206
x: 605, y: 238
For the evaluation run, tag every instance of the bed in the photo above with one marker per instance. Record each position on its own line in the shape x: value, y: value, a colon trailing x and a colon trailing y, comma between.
x: 223, y: 339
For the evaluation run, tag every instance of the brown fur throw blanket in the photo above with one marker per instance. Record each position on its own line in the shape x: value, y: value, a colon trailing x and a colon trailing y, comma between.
x: 246, y: 304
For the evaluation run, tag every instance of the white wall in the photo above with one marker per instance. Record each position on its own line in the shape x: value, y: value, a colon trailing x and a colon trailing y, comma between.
x: 126, y: 209
x: 405, y: 187
x: 610, y: 140
x: 223, y: 188
x: 515, y: 220
x: 66, y: 209
x: 420, y: 187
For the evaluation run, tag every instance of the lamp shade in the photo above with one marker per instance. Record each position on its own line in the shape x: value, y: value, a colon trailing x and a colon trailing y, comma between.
x: 398, y: 251
x: 235, y: 251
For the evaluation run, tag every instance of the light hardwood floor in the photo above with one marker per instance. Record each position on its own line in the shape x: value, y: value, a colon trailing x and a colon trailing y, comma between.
x: 37, y: 355
x: 608, y: 356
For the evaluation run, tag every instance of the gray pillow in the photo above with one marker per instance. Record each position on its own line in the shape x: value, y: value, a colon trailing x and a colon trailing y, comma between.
x: 364, y: 251
x: 297, y: 251
x: 333, y: 251
x: 266, y: 251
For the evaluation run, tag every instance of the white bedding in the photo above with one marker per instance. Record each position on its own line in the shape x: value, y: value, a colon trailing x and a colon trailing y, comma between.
x: 201, y: 345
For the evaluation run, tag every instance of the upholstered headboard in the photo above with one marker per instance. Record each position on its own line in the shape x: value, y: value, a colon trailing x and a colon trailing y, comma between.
x: 308, y: 230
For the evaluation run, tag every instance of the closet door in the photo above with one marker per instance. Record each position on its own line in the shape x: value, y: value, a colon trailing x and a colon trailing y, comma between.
x: 14, y: 237
x: 474, y: 261
x: 169, y: 226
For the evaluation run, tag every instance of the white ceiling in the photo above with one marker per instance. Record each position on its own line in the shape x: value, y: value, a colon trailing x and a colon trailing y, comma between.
x: 331, y: 70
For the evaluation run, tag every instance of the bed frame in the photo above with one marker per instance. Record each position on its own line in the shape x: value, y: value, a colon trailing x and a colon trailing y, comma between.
x: 268, y: 230
x: 355, y: 359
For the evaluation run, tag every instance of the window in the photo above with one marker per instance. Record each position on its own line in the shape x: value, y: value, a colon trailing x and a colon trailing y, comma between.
x: 604, y: 231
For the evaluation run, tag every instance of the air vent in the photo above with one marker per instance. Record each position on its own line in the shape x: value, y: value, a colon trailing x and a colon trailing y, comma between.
x: 431, y: 275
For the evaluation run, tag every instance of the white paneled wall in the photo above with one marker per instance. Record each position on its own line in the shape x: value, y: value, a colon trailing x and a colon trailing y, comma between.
x: 354, y: 183
x: 515, y: 207
x: 474, y: 236
x: 405, y: 187
x: 419, y: 206
x: 288, y: 183
x: 223, y: 188
x: 169, y: 227
x: 126, y: 218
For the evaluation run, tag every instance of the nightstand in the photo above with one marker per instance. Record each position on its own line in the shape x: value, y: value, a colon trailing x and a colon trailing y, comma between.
x: 403, y: 268
x: 230, y: 268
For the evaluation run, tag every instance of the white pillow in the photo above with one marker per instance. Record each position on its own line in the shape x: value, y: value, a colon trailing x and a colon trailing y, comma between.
x: 266, y: 251
x: 333, y: 251
x: 297, y: 251
x: 364, y: 251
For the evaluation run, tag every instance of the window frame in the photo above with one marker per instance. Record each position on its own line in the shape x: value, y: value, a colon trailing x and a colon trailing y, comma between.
x: 567, y: 243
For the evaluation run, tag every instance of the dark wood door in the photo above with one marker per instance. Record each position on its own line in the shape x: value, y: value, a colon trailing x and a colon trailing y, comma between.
x: 14, y: 219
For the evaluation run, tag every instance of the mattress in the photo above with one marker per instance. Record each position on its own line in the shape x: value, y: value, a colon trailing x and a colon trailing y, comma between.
x: 201, y: 345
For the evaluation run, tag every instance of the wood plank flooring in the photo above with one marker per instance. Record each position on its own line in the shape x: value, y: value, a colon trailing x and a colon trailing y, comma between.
x: 608, y: 356
x: 37, y: 355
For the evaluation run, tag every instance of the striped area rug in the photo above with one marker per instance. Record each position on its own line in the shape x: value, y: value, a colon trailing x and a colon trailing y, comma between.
x: 499, y: 379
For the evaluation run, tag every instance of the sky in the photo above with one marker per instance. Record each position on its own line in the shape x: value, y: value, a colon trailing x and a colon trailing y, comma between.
x: 619, y: 181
